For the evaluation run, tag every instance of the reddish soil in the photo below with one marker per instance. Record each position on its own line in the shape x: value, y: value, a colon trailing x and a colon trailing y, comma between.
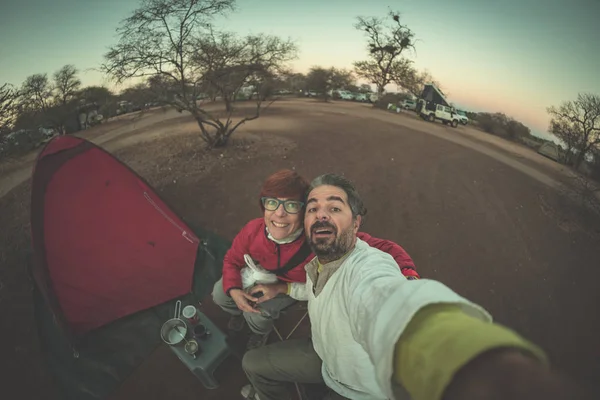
x: 494, y: 229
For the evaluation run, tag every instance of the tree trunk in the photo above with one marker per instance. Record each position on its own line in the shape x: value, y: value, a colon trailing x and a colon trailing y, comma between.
x: 221, y: 138
x: 228, y: 105
x: 579, y: 159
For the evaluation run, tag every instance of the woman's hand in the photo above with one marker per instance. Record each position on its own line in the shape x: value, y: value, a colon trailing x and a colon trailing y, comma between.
x: 243, y: 299
x: 269, y: 291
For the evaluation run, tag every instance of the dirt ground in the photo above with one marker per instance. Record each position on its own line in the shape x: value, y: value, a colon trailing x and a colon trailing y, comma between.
x: 477, y: 214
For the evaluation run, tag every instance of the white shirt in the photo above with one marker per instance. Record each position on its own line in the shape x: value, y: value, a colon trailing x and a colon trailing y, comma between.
x: 359, y: 316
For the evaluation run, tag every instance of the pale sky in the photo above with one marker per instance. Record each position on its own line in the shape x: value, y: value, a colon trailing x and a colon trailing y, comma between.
x: 511, y: 56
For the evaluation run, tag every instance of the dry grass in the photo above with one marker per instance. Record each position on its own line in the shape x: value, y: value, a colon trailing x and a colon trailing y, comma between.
x: 168, y: 159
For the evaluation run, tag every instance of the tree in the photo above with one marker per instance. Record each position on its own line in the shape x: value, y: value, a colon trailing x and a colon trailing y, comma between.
x: 325, y: 80
x: 413, y: 80
x: 228, y: 63
x: 101, y: 96
x: 364, y: 88
x: 66, y: 84
x: 293, y: 82
x: 42, y: 102
x: 319, y: 80
x: 386, y: 42
x: 341, y: 78
x: 577, y: 124
x: 8, y: 107
x: 138, y: 95
x: 502, y: 125
x: 174, y: 39
x: 472, y: 115
x: 36, y: 93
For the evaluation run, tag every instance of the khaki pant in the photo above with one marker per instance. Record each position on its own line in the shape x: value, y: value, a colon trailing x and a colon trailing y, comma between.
x: 259, y: 323
x: 270, y: 368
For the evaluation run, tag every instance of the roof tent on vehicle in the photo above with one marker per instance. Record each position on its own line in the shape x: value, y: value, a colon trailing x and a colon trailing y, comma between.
x: 434, y: 95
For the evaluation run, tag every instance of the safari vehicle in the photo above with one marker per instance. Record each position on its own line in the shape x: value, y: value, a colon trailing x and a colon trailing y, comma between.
x: 443, y: 113
x: 433, y: 105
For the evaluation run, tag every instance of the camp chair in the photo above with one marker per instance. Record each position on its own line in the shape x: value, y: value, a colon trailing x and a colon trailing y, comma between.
x: 300, y: 307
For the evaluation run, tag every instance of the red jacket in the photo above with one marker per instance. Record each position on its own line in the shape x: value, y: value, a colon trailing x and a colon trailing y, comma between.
x: 253, y: 240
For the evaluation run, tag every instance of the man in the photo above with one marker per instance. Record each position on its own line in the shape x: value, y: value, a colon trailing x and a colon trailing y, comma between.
x: 376, y: 335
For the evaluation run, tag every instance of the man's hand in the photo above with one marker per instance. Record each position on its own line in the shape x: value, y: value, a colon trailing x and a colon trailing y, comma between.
x: 243, y: 299
x: 269, y: 291
x: 508, y: 374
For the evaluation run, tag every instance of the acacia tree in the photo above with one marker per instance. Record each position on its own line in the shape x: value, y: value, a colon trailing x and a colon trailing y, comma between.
x: 173, y: 41
x: 577, y: 124
x: 386, y: 43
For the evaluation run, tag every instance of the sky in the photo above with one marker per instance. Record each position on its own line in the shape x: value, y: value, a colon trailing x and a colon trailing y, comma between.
x: 511, y: 56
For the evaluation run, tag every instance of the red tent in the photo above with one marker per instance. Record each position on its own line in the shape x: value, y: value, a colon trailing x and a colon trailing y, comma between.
x: 105, y: 245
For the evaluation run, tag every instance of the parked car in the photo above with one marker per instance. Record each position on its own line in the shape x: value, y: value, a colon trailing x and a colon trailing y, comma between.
x: 432, y: 111
x: 47, y: 132
x: 409, y: 104
x: 462, y: 117
x: 345, y: 94
x: 361, y: 97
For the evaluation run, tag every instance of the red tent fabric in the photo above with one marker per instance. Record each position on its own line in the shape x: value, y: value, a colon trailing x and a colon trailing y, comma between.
x: 105, y: 244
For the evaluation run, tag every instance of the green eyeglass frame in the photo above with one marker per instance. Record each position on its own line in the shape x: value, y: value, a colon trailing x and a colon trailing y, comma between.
x: 290, y: 206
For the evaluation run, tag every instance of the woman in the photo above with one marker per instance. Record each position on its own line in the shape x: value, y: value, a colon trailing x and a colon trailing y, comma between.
x: 278, y: 244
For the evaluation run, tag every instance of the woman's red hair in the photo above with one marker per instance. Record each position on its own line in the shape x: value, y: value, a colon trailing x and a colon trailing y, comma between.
x: 285, y: 184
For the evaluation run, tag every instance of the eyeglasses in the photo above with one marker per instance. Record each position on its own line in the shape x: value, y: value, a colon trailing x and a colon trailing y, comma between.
x: 290, y: 206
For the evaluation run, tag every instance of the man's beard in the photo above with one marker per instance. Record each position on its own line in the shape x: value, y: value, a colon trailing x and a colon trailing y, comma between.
x: 333, y: 247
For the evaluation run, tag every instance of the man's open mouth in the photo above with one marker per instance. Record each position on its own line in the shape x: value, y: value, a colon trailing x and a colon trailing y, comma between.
x: 322, y: 232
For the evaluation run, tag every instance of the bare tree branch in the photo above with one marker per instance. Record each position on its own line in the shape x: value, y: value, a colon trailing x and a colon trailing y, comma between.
x: 66, y: 84
x: 8, y: 107
x: 577, y: 124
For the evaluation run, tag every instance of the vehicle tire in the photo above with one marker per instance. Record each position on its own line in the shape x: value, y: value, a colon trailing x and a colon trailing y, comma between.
x: 454, y: 123
x: 464, y: 123
x: 431, y: 118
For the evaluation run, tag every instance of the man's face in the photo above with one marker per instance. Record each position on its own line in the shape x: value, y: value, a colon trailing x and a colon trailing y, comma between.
x: 328, y: 223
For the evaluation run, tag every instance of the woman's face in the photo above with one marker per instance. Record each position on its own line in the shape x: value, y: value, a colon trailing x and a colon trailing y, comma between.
x: 281, y: 223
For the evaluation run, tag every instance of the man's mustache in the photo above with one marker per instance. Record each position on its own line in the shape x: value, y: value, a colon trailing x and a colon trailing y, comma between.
x: 322, y: 225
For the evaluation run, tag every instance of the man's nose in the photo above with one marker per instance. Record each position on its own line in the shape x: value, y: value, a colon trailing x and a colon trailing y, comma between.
x: 322, y: 215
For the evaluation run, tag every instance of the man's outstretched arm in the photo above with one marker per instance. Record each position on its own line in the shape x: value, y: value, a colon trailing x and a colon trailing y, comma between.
x: 446, y: 354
